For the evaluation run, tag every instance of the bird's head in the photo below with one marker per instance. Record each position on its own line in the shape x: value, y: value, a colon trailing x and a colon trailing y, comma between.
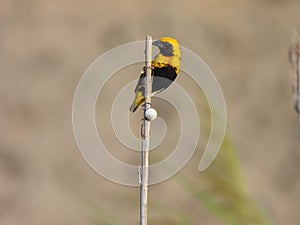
x: 168, y: 46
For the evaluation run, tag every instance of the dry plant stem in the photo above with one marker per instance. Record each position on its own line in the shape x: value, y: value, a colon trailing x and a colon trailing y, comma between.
x: 298, y: 94
x: 295, y: 65
x: 146, y: 135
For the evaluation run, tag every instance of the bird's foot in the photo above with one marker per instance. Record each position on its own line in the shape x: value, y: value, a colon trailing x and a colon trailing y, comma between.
x: 148, y: 67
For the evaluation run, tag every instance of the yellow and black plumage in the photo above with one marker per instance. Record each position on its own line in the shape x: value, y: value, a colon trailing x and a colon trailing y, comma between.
x: 166, y: 66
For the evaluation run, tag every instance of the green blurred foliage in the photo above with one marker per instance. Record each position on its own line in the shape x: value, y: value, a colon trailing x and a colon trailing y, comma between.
x: 225, y: 192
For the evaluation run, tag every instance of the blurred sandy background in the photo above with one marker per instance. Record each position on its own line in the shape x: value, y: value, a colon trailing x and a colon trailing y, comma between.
x: 45, y: 46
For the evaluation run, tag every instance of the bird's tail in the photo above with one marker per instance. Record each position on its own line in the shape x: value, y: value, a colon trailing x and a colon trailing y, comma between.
x: 139, y: 99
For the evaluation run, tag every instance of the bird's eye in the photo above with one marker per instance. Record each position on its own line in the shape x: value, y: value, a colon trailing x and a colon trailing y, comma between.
x: 167, y: 45
x: 167, y: 49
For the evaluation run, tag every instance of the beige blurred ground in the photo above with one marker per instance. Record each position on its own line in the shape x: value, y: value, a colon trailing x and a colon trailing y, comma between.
x: 45, y: 46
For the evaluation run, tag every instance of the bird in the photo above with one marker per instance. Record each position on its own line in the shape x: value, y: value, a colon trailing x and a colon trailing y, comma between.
x: 165, y: 68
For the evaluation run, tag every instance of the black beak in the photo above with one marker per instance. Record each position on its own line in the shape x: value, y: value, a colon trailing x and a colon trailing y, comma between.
x: 158, y: 43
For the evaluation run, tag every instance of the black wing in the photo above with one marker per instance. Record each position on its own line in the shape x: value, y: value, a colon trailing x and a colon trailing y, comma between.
x: 162, y: 78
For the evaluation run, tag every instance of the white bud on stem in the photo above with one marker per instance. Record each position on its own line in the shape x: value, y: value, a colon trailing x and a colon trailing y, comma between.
x: 150, y: 114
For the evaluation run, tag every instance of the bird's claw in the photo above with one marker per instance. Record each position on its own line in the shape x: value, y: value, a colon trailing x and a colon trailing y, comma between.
x: 148, y: 67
